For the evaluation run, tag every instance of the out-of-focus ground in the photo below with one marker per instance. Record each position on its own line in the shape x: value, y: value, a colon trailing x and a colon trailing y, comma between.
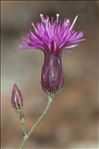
x: 72, y: 121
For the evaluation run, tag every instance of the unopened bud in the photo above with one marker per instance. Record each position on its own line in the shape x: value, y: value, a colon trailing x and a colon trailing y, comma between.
x: 16, y: 99
x: 17, y: 102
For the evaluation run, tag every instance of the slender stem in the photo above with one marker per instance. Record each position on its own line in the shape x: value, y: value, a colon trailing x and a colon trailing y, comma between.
x: 23, y: 129
x: 26, y: 137
x: 22, y: 122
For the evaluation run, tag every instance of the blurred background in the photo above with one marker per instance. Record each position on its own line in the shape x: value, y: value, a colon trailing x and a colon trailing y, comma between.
x: 72, y: 121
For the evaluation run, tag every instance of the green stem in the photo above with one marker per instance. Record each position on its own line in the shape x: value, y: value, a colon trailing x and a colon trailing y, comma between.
x: 26, y: 137
x: 23, y: 129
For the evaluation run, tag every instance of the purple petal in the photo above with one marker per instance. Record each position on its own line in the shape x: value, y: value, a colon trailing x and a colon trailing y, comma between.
x: 72, y: 25
x: 71, y: 46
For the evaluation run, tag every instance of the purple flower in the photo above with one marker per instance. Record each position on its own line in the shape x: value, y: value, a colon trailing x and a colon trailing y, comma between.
x: 16, y: 98
x: 52, y: 37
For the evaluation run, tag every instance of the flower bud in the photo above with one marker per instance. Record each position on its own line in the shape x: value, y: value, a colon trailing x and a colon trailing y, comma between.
x: 16, y: 99
x: 52, y: 75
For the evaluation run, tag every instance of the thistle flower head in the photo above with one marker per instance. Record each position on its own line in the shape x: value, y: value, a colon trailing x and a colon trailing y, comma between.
x: 16, y: 98
x: 52, y: 37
